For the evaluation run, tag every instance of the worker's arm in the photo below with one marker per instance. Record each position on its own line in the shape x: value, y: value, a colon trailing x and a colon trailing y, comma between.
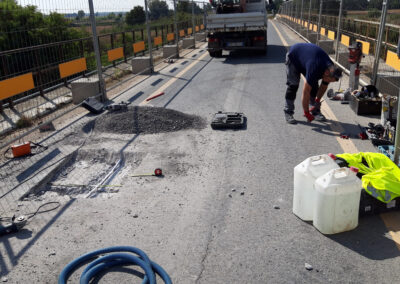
x: 305, y: 100
x: 321, y: 91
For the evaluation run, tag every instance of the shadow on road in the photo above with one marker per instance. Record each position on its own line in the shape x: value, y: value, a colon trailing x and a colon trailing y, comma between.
x: 370, y: 239
x: 275, y: 54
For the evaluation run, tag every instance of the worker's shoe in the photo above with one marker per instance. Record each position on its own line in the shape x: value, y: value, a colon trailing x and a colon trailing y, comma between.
x: 319, y: 117
x: 289, y: 118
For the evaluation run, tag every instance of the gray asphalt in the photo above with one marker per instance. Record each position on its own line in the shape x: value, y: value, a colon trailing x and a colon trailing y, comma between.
x: 196, y: 222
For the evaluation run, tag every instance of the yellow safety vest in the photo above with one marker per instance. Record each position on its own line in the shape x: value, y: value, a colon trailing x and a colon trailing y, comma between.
x: 381, y: 177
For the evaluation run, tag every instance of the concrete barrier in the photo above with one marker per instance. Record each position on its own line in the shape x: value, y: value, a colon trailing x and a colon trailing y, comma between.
x: 327, y: 46
x: 169, y: 51
x: 343, y: 59
x: 388, y: 83
x: 84, y: 88
x: 312, y: 37
x: 200, y: 36
x: 188, y: 42
x: 141, y: 65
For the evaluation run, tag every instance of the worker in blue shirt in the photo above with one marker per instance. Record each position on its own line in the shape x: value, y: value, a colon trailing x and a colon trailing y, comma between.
x: 313, y: 62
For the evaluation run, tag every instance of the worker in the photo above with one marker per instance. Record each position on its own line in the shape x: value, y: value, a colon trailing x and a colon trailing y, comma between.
x: 311, y: 61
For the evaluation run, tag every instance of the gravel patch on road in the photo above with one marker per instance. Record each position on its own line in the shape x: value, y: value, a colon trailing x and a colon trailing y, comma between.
x: 147, y: 120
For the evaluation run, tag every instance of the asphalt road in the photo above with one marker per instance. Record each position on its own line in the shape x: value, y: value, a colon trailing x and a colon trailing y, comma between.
x: 211, y: 219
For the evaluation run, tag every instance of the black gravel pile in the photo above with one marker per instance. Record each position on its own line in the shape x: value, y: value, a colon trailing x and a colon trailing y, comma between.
x: 147, y: 120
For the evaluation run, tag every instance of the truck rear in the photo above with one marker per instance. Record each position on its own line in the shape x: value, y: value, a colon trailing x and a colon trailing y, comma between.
x: 243, y: 29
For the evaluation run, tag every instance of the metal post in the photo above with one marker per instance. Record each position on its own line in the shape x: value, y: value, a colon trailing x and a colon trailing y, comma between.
x: 309, y: 18
x: 397, y: 137
x: 176, y: 30
x: 149, y: 37
x: 338, y: 30
x: 319, y: 21
x: 379, y: 42
x: 193, y: 26
x: 301, y: 14
x: 96, y: 47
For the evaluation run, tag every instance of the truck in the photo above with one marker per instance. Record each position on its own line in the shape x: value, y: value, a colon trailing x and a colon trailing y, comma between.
x: 237, y: 25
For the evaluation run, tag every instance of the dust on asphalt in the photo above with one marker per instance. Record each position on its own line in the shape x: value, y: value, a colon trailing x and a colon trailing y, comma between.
x: 147, y: 120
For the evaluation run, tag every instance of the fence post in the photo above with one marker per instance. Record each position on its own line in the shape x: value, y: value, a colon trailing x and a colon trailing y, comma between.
x: 379, y: 43
x: 176, y: 30
x: 319, y: 21
x: 301, y: 14
x: 97, y: 52
x: 397, y: 139
x: 149, y: 45
x: 124, y: 46
x: 309, y: 18
x: 193, y: 26
x: 338, y: 30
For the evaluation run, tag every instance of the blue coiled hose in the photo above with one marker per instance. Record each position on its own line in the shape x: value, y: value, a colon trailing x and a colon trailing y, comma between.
x: 118, y: 258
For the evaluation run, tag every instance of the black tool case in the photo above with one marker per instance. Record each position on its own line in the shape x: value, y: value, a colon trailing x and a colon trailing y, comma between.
x: 223, y: 120
x: 365, y: 107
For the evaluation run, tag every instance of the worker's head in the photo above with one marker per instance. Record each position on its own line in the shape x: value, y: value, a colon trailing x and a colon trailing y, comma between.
x: 332, y: 74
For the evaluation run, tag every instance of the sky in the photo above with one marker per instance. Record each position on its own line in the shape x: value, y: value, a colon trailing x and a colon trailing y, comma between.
x: 73, y: 6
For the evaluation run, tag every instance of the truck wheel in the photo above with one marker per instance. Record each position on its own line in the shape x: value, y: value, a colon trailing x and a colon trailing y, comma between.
x: 218, y: 53
x: 212, y: 53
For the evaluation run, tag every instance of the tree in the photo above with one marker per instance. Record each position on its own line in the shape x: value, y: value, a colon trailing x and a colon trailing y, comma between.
x: 111, y: 16
x: 135, y: 16
x: 158, y: 9
x: 81, y: 15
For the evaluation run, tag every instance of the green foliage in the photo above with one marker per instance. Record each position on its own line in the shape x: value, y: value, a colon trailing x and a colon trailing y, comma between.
x: 135, y: 16
x: 158, y: 9
x: 81, y: 15
x: 374, y: 13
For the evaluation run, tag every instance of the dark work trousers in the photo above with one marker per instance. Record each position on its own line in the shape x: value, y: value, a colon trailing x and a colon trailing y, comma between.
x: 293, y: 81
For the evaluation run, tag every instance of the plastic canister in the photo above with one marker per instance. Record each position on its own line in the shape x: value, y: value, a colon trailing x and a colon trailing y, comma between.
x: 337, y: 201
x: 305, y: 175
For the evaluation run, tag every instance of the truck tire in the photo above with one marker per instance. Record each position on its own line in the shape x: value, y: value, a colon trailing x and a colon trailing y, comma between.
x: 218, y: 53
x: 212, y: 53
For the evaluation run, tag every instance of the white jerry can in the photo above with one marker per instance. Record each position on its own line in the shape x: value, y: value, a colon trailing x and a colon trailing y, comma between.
x: 337, y: 201
x: 305, y: 175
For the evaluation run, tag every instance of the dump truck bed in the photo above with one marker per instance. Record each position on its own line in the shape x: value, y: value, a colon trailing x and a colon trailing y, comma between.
x: 236, y: 22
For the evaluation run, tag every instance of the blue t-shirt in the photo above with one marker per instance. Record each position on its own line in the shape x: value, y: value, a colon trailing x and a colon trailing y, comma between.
x: 310, y: 60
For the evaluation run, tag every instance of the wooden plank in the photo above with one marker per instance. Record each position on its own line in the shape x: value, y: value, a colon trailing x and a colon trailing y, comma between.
x: 72, y: 67
x: 392, y: 60
x: 331, y: 35
x: 16, y: 85
x: 182, y: 33
x: 365, y: 46
x: 115, y: 54
x: 170, y: 37
x: 138, y: 47
x: 157, y: 40
x: 345, y: 40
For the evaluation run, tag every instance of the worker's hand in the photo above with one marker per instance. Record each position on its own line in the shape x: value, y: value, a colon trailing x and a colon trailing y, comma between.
x: 309, y: 116
x: 316, y: 106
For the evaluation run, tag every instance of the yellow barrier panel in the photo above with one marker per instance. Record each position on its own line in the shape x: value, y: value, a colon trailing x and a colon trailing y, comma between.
x: 345, y: 40
x: 170, y: 37
x: 182, y: 33
x: 190, y: 31
x: 322, y: 31
x: 14, y: 86
x: 392, y: 60
x: 197, y: 29
x: 305, y: 24
x: 115, y: 54
x: 315, y: 28
x: 202, y: 27
x: 72, y: 67
x: 331, y: 35
x: 138, y: 47
x: 157, y: 40
x: 365, y: 46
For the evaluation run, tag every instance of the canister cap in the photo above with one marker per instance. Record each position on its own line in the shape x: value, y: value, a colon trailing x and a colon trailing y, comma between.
x: 354, y: 169
x: 332, y: 156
